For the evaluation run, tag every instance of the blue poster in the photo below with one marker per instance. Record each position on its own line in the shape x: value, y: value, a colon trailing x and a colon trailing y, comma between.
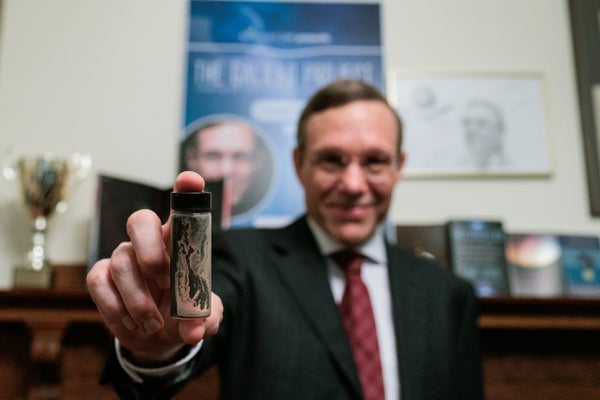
x: 250, y: 68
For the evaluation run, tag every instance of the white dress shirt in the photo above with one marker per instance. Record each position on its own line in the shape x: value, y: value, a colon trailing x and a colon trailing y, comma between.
x: 374, y: 273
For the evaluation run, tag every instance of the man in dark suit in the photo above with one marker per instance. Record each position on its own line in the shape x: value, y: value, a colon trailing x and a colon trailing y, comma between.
x: 276, y: 330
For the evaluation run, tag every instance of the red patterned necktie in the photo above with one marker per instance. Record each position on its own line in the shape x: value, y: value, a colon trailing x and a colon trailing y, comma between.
x: 359, y: 322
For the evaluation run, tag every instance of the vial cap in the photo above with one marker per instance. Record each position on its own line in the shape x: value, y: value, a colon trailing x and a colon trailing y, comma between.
x: 191, y: 201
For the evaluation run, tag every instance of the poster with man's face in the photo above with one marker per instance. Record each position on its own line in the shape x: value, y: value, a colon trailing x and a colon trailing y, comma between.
x: 251, y: 66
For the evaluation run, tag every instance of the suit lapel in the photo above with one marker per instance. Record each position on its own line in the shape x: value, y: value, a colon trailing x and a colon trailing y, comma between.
x: 410, y: 321
x: 304, y: 271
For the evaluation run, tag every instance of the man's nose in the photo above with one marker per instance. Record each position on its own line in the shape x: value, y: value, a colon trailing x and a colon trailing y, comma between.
x: 354, y: 178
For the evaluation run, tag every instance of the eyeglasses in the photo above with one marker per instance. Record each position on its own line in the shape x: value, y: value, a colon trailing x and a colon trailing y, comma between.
x: 375, y: 166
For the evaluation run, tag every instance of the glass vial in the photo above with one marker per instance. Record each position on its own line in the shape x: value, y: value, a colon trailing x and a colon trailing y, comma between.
x: 190, y: 254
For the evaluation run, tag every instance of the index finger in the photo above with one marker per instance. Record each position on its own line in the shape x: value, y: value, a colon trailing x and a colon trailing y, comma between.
x: 188, y: 181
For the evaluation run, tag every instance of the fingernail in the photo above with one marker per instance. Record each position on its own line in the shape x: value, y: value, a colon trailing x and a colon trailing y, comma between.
x: 163, y: 281
x: 151, y: 326
x: 128, y: 322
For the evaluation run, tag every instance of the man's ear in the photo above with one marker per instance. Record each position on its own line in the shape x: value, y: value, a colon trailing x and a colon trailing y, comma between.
x: 400, y: 163
x: 297, y: 162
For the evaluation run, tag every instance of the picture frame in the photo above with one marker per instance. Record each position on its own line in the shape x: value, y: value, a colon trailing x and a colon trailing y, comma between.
x: 472, y: 124
x: 585, y: 25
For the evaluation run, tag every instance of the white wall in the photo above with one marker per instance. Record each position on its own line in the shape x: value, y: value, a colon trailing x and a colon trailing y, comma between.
x: 104, y: 77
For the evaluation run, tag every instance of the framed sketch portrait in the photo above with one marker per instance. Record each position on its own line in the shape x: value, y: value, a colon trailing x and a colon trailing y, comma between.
x: 471, y: 124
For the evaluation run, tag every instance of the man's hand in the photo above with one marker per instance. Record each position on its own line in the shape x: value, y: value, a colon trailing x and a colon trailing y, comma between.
x: 131, y: 290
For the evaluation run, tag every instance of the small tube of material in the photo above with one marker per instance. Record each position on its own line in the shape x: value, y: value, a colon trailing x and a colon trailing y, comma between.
x: 191, y: 279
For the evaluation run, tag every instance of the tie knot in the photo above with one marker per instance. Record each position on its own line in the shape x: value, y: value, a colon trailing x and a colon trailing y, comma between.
x: 348, y: 260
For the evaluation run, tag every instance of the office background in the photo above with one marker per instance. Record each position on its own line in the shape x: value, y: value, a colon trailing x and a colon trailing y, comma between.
x: 105, y: 78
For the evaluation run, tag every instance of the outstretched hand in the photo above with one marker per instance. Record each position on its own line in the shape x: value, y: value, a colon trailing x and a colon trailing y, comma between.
x: 131, y: 289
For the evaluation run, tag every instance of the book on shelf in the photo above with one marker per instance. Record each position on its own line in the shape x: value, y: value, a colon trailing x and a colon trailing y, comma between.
x: 534, y: 264
x: 429, y: 241
x: 118, y: 198
x: 580, y: 258
x: 477, y: 254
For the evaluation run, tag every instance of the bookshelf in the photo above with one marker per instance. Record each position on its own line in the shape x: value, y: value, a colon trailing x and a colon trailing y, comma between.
x: 535, y: 348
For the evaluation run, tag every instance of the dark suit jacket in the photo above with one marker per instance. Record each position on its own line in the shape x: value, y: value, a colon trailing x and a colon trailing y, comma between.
x: 282, y: 337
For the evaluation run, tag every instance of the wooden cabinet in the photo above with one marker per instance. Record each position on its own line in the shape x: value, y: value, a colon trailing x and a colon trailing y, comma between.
x: 53, y: 346
x: 513, y: 313
x: 541, y: 348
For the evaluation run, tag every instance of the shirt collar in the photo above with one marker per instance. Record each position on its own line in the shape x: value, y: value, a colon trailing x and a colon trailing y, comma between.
x: 374, y: 248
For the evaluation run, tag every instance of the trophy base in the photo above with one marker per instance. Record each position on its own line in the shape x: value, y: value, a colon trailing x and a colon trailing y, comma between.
x: 32, y: 279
